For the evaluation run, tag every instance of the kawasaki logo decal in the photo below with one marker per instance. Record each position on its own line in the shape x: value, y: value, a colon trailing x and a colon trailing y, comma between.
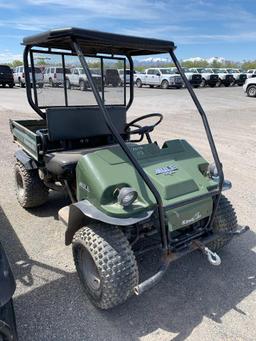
x: 168, y: 170
x: 196, y: 217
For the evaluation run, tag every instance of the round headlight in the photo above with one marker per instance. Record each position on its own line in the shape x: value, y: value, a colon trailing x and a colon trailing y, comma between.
x: 213, y: 171
x: 126, y: 196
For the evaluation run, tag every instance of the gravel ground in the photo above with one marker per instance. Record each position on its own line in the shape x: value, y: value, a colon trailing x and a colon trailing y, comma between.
x: 194, y: 301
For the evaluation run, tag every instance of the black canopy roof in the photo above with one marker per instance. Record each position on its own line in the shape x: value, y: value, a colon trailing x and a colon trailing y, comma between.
x: 99, y: 42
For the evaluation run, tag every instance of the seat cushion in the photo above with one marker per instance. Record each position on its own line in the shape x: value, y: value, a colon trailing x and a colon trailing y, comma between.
x: 60, y: 162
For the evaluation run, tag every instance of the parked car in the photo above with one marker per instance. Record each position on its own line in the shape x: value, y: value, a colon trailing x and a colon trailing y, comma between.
x: 225, y: 78
x: 163, y: 77
x: 208, y: 76
x: 54, y: 75
x: 19, y: 76
x: 127, y: 73
x: 8, y: 329
x: 251, y: 73
x: 250, y: 87
x: 194, y: 79
x: 239, y: 77
x: 112, y: 77
x: 77, y: 78
x: 6, y: 76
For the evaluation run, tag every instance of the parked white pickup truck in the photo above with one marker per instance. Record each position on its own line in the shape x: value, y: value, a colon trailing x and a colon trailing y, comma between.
x: 19, y: 76
x: 251, y: 73
x: 239, y: 77
x: 163, y: 77
x: 53, y: 76
x: 195, y: 79
x: 78, y: 78
x: 225, y: 77
x: 127, y: 75
x: 250, y: 87
x: 208, y: 77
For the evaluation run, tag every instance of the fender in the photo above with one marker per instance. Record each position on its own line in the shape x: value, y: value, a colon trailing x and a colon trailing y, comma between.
x: 81, y: 213
x: 7, y: 282
x: 25, y: 159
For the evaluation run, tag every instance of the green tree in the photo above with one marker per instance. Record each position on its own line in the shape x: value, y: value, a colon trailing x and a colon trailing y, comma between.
x: 199, y: 63
x: 119, y: 64
x: 16, y: 62
x: 248, y: 64
x: 94, y: 65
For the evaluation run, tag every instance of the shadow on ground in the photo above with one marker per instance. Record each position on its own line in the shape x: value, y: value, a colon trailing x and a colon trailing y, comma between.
x: 190, y: 291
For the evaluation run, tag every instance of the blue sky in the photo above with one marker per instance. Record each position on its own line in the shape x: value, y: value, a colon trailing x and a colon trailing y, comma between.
x: 200, y: 28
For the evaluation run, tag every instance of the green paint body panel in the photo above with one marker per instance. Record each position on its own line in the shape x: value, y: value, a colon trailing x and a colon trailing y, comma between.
x: 100, y: 173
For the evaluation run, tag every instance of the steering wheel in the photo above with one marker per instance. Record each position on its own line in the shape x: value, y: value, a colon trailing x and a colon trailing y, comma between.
x: 145, y: 129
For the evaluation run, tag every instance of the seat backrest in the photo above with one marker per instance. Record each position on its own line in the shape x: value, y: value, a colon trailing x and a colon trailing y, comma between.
x: 71, y: 123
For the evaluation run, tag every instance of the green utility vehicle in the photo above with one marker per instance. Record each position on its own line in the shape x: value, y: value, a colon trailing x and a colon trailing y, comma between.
x: 128, y: 194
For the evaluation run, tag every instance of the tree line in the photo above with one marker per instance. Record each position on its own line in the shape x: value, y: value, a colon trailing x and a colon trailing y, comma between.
x: 245, y: 65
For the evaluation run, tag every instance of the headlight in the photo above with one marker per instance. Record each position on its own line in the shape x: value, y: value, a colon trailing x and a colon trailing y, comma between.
x: 213, y: 171
x: 126, y: 196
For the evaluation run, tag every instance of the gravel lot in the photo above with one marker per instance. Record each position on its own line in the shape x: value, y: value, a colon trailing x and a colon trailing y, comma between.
x: 194, y: 301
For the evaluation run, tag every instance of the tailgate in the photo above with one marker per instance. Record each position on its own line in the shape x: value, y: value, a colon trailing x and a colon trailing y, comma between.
x: 24, y: 134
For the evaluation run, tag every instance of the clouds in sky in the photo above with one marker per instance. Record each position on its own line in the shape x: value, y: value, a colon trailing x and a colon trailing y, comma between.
x: 187, y: 22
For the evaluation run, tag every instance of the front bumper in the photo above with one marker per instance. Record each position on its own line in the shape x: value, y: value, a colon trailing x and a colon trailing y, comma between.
x: 168, y: 258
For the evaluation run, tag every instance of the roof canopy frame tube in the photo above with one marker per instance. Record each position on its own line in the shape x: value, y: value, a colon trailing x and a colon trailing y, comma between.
x: 208, y: 134
x: 114, y: 131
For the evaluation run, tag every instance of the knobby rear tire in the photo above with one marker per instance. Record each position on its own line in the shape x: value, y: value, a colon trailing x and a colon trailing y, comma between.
x: 30, y: 189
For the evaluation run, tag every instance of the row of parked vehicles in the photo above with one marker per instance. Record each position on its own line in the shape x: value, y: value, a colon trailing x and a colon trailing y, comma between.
x: 198, y: 77
x: 75, y: 77
x: 152, y: 77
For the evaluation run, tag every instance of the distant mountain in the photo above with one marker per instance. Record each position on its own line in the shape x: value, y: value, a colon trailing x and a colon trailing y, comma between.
x: 209, y: 60
x: 158, y: 61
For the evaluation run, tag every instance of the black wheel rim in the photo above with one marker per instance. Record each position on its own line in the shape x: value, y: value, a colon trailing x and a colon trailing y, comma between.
x: 89, y: 271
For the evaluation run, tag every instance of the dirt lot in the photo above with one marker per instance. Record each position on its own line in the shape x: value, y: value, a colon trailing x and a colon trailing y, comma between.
x: 194, y: 301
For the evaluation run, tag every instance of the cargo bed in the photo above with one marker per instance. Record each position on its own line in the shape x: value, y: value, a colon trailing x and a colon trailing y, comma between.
x: 24, y: 134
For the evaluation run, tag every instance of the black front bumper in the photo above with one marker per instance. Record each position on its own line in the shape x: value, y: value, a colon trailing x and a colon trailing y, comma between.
x: 213, y: 80
x: 196, y: 80
x: 174, y: 255
x: 228, y: 80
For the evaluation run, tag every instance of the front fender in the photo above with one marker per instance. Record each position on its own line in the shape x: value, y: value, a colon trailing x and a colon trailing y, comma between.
x: 81, y: 213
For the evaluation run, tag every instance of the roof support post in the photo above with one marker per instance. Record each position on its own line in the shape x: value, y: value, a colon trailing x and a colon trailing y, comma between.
x: 208, y: 133
x: 133, y: 160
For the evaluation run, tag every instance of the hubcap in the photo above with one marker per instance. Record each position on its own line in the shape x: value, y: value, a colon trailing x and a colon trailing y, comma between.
x: 89, y: 271
x: 19, y: 183
x: 252, y: 92
x: 165, y: 85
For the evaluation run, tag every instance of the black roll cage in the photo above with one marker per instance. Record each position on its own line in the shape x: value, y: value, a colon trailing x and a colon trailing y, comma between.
x: 215, y: 194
